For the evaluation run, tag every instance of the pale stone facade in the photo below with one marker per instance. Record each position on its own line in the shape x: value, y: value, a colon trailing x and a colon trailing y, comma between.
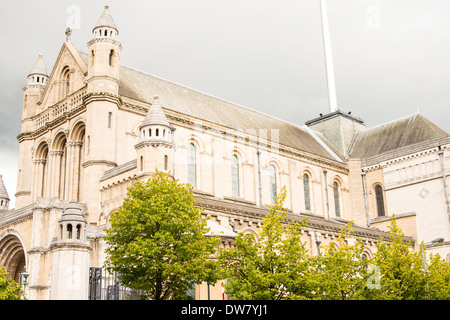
x: 91, y: 127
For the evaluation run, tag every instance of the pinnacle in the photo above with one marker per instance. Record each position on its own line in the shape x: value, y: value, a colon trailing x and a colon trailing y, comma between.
x: 39, y: 67
x: 155, y: 115
x: 3, y: 192
x: 106, y: 19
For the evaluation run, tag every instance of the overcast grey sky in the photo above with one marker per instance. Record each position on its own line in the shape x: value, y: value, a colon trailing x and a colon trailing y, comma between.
x: 391, y: 57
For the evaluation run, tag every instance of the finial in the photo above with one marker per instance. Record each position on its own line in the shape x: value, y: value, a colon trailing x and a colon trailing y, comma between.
x: 68, y: 34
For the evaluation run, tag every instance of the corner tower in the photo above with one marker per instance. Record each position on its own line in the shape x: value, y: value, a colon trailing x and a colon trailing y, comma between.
x: 102, y: 107
x: 104, y: 56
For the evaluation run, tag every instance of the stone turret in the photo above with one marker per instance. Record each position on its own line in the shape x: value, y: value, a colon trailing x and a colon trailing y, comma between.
x: 32, y: 93
x: 4, y: 198
x: 155, y: 147
x: 71, y: 256
x: 38, y: 76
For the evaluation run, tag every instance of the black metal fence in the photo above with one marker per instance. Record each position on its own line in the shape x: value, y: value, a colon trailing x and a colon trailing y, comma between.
x: 106, y: 286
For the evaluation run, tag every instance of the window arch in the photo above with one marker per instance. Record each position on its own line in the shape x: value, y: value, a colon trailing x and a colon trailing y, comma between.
x: 78, y: 231
x: 65, y: 75
x: 307, y: 191
x: 273, y: 183
x: 337, y: 202
x: 69, y: 231
x: 235, y: 176
x: 111, y: 57
x: 380, y: 200
x: 41, y: 169
x: 166, y: 162
x: 109, y: 120
x: 192, y: 163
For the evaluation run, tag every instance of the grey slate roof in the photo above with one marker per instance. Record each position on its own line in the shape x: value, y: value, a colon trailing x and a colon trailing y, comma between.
x: 141, y: 86
x: 415, y: 130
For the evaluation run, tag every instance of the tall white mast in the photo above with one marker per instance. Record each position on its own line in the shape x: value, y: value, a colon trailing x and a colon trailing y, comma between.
x: 328, y: 57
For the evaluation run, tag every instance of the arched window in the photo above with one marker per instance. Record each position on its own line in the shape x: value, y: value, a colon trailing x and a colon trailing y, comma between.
x: 337, y: 202
x: 273, y: 183
x: 234, y: 176
x: 142, y: 163
x: 109, y: 119
x: 380, y: 200
x: 69, y: 231
x: 111, y: 56
x: 307, y: 192
x: 78, y: 231
x: 166, y: 162
x: 192, y: 161
x: 65, y: 82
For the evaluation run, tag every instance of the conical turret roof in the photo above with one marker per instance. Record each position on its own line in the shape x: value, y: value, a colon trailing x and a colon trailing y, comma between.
x: 106, y: 20
x: 3, y: 192
x: 155, y: 115
x: 39, y: 67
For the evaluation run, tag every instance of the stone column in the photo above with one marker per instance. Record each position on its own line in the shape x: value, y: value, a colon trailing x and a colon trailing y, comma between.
x: 55, y: 160
x: 75, y: 170
x: 38, y: 178
x: 68, y: 171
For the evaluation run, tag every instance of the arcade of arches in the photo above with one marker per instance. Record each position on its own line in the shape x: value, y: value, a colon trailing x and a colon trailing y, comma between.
x: 58, y: 166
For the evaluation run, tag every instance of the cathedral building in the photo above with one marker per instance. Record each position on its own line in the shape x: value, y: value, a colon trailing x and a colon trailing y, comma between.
x: 92, y: 126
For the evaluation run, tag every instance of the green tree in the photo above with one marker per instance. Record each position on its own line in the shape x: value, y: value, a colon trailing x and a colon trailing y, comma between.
x: 402, y: 274
x: 9, y: 289
x: 156, y: 240
x: 339, y: 272
x: 272, y: 268
x: 438, y: 277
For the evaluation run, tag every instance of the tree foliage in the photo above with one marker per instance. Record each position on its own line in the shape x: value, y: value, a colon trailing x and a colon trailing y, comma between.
x: 339, y: 272
x: 402, y: 274
x: 9, y: 289
x: 272, y: 268
x: 157, y: 243
x: 156, y: 240
x: 279, y: 266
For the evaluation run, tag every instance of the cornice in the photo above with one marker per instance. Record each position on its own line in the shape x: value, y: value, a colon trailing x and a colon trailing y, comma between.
x: 313, y: 222
x: 154, y: 143
x: 102, y: 96
x: 104, y: 40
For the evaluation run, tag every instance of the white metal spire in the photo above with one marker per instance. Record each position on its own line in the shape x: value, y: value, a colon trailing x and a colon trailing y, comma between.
x: 328, y: 57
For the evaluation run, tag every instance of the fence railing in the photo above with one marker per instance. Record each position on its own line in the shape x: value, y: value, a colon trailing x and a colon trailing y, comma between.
x: 106, y: 286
